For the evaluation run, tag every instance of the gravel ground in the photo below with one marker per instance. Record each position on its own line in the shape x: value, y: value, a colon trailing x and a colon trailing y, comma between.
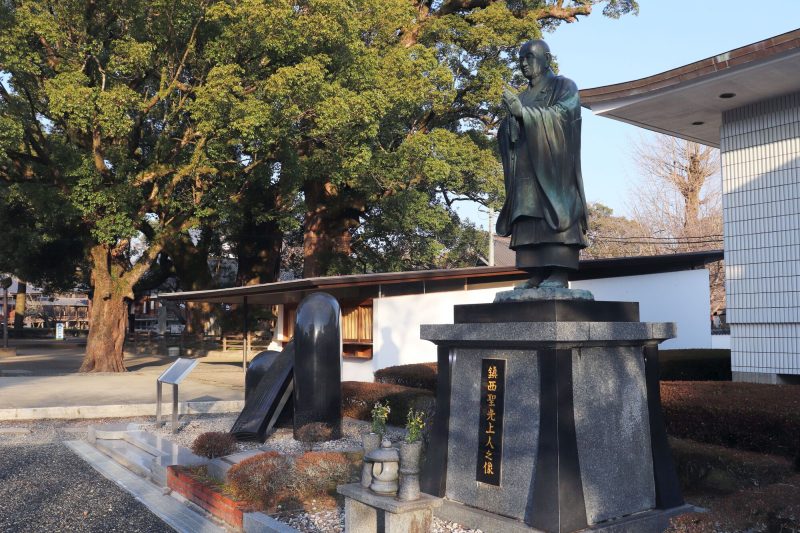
x: 281, y: 440
x: 31, y: 499
x: 333, y: 522
x: 46, y: 488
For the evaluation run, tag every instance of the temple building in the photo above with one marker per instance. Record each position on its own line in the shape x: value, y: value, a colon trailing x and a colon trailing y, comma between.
x: 746, y: 102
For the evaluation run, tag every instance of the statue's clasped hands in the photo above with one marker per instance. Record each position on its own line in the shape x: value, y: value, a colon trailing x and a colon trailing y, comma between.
x: 512, y: 103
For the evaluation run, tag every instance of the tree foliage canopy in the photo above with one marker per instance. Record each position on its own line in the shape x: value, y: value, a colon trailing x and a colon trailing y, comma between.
x: 362, y: 121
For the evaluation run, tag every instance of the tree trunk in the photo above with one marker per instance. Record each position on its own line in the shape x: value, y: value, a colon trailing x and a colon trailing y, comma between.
x: 326, y: 236
x: 190, y: 262
x: 259, y: 252
x: 106, y: 332
x: 108, y: 312
x: 19, y: 309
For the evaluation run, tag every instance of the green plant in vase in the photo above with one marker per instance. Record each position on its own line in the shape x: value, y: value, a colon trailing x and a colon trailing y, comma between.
x: 380, y: 413
x: 415, y: 423
x: 372, y: 440
x: 410, y: 455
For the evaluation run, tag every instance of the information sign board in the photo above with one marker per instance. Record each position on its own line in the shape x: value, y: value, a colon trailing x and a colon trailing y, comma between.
x: 178, y: 371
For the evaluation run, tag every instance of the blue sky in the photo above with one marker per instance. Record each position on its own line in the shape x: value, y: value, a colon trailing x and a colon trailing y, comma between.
x: 598, y: 51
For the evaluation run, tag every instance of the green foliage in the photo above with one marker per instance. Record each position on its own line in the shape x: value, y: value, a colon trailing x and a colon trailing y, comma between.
x: 415, y: 423
x: 252, y: 117
x: 380, y: 413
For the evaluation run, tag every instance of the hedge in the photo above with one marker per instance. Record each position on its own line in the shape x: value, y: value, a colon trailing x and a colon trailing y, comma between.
x: 675, y: 365
x: 420, y: 375
x: 358, y: 398
x: 748, y: 416
x: 695, y: 365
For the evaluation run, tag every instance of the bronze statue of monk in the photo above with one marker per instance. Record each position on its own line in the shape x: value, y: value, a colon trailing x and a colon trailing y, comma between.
x: 540, y: 142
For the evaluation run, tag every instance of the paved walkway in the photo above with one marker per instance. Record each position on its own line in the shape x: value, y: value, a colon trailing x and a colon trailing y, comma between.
x: 44, y: 376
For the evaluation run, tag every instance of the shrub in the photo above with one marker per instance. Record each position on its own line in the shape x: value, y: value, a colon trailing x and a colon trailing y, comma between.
x: 419, y: 375
x: 695, y: 365
x: 214, y: 444
x: 315, y: 432
x: 317, y: 474
x: 358, y: 399
x: 748, y: 416
x: 261, y: 478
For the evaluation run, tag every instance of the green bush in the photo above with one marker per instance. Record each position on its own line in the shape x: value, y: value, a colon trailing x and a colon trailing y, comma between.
x: 695, y: 365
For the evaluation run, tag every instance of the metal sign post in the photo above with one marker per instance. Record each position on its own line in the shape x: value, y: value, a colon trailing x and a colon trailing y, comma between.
x: 173, y: 375
x: 5, y: 317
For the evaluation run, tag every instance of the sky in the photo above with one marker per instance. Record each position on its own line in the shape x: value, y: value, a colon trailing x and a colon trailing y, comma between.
x: 597, y: 51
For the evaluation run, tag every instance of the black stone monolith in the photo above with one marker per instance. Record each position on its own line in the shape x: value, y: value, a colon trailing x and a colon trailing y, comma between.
x: 317, y: 364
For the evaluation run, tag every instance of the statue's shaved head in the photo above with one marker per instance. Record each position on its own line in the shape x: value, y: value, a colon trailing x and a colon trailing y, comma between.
x: 536, y: 46
x: 534, y: 58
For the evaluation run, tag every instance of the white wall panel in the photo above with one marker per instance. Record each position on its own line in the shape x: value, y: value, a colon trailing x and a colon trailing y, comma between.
x: 760, y: 146
x: 680, y: 297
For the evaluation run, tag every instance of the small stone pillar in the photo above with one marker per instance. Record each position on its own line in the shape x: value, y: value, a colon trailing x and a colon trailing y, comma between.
x: 367, y: 512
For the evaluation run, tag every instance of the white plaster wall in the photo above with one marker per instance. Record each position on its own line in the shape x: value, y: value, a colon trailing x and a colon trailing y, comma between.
x: 760, y: 146
x: 721, y: 342
x: 680, y: 297
x: 395, y: 328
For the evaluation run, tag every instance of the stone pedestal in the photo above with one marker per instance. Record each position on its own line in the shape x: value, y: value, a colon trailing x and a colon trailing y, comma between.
x: 367, y: 512
x: 580, y: 438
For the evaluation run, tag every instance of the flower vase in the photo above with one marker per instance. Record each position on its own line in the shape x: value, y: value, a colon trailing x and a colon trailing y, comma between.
x: 371, y: 442
x: 410, y: 454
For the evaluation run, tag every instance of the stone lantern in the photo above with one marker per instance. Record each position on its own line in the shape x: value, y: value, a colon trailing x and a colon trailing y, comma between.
x: 385, y: 466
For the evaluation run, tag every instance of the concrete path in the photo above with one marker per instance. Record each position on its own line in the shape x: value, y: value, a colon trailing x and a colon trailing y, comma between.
x: 35, y: 394
x: 206, y: 383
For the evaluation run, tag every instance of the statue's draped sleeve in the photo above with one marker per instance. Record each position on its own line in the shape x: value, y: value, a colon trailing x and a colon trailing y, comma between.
x: 550, y: 131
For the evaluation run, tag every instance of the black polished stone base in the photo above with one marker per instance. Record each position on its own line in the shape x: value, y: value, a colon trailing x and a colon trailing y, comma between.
x: 548, y: 311
x: 556, y: 502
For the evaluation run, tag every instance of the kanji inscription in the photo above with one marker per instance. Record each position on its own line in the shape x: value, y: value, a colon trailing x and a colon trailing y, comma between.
x: 490, y: 435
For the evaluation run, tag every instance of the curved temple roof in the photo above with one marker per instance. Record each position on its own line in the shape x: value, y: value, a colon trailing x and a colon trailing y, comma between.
x: 686, y: 101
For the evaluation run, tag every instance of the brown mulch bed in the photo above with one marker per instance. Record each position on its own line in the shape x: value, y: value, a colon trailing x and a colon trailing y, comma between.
x: 742, y: 491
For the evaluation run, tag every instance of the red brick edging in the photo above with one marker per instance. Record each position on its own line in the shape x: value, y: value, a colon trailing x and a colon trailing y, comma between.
x: 206, y: 496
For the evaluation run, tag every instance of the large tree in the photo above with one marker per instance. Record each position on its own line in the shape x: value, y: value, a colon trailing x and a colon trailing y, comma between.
x: 148, y: 119
x: 100, y: 97
x: 360, y: 101
x: 678, y: 201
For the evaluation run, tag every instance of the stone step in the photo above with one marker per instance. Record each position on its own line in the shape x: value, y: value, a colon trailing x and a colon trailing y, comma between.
x: 110, y: 431
x: 165, y: 452
x: 131, y: 457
